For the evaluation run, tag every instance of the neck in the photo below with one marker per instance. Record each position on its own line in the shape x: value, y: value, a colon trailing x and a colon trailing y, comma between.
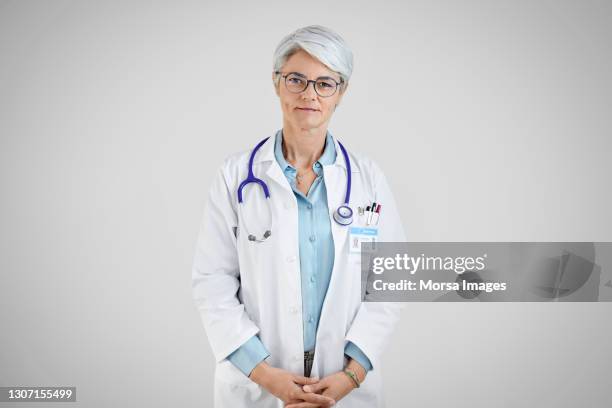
x: 302, y: 147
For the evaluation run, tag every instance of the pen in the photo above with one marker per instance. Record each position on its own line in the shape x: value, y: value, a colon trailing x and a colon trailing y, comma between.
x: 372, y: 213
x: 376, y: 215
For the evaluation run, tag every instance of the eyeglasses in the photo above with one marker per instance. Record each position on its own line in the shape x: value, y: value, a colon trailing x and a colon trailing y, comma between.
x: 323, y: 86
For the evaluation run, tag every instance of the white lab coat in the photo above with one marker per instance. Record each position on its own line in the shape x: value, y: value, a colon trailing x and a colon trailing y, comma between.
x: 243, y: 288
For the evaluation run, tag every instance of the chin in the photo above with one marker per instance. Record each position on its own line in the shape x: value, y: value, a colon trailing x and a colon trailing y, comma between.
x: 308, y: 124
x: 311, y: 126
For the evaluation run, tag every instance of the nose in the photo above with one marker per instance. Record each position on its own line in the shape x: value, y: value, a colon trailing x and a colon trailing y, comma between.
x: 309, y: 92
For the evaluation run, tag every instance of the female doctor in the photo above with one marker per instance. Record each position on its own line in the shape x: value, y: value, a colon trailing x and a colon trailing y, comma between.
x: 276, y: 274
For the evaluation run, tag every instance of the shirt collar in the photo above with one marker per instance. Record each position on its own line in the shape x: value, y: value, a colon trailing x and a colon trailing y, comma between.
x: 328, y: 156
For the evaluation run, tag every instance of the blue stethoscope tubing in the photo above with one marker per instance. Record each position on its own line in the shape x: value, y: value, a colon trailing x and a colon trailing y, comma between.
x: 343, y: 214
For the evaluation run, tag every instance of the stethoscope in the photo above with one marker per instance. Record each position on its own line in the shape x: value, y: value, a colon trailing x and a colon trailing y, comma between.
x: 343, y: 214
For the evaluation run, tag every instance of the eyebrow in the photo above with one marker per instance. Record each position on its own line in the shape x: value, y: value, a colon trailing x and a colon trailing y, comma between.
x: 323, y: 76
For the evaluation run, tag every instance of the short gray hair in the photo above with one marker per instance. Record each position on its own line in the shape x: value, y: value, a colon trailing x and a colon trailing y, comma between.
x: 322, y: 44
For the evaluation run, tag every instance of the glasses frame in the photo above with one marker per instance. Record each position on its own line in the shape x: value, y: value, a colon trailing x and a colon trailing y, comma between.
x: 308, y: 81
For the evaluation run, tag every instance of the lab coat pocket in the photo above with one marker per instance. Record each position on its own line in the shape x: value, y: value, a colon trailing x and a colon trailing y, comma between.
x: 234, y: 389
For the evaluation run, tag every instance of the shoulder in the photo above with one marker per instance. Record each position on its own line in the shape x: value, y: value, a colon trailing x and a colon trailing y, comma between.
x: 233, y: 166
x: 236, y: 160
x: 361, y: 163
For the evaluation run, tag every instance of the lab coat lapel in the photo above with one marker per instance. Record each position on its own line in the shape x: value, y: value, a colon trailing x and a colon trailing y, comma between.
x: 335, y: 183
x: 273, y: 172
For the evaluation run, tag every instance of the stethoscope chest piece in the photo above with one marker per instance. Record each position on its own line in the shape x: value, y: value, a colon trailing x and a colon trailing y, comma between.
x: 343, y: 215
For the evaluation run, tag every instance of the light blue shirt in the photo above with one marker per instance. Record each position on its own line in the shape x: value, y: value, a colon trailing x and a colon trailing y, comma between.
x: 316, y: 246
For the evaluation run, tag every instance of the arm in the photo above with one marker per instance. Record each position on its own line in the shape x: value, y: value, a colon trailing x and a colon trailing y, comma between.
x: 247, y: 356
x: 215, y: 274
x: 355, y: 353
x: 359, y: 363
x: 375, y: 321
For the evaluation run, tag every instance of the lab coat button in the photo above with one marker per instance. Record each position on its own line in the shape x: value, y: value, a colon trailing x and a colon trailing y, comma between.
x: 297, y: 358
x: 291, y: 258
x: 293, y: 310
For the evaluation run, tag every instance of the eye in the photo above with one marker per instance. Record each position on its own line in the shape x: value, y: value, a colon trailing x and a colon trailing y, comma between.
x: 326, y: 83
x: 295, y: 80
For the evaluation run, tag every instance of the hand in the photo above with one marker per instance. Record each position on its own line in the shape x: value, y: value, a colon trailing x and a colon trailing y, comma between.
x: 288, y: 387
x: 335, y: 386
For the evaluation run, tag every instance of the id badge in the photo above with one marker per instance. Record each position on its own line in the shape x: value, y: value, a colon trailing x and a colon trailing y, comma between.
x: 357, y: 235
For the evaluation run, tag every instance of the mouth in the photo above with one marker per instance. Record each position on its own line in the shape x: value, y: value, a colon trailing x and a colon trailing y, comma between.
x: 307, y: 109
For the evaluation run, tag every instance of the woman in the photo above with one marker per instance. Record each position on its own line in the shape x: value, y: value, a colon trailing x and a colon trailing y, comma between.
x: 277, y: 280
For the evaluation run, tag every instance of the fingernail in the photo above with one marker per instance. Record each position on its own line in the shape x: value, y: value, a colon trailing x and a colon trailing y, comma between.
x: 306, y: 388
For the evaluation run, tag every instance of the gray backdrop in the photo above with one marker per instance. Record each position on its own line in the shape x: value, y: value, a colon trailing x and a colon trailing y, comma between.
x: 491, y: 119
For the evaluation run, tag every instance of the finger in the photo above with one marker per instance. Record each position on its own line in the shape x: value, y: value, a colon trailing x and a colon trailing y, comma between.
x: 317, y: 399
x: 305, y: 380
x: 321, y: 385
x: 303, y: 405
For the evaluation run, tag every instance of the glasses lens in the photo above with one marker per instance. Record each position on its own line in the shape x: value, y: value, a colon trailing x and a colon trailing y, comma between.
x: 326, y: 87
x: 295, y: 83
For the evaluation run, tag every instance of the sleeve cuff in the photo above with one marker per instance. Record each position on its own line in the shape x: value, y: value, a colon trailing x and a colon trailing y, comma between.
x: 247, y: 356
x: 356, y: 354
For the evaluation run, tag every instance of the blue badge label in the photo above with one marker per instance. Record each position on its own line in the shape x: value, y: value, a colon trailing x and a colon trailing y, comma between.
x: 357, y: 235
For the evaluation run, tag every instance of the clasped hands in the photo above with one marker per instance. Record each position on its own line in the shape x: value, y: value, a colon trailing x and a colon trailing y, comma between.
x: 297, y: 391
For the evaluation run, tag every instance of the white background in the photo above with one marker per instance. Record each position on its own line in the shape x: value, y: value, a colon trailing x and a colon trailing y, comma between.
x: 491, y: 120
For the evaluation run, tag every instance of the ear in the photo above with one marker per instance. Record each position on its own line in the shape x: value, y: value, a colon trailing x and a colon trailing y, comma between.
x: 341, y: 93
x: 276, y: 84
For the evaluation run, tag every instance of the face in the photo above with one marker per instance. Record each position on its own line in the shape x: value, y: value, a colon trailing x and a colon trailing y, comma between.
x: 307, y: 110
